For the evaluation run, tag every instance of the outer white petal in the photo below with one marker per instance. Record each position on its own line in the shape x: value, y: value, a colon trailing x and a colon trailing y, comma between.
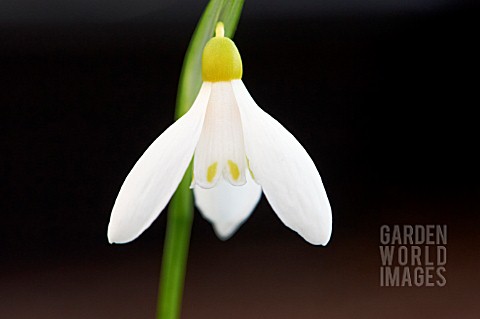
x: 156, y: 175
x: 227, y: 206
x: 285, y: 171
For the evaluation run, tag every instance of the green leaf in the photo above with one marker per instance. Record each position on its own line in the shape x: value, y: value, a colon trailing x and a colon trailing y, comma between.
x: 230, y: 16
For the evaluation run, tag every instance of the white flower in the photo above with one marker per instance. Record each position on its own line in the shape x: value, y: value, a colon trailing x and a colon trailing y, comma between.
x: 238, y: 150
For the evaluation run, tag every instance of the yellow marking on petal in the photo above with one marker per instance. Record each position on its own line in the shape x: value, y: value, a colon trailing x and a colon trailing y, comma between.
x: 249, y: 169
x: 211, y: 172
x: 221, y: 60
x: 234, y: 171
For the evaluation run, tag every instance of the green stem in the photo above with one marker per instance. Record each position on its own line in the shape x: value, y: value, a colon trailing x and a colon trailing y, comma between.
x: 175, y: 253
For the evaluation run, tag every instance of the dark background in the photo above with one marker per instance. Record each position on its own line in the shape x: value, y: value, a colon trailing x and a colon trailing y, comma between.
x: 382, y: 95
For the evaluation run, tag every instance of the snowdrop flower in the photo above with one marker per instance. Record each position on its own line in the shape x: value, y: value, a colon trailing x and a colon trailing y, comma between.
x: 238, y: 151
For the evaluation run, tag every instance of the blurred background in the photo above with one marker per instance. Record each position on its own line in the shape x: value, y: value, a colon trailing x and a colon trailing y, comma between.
x: 382, y: 94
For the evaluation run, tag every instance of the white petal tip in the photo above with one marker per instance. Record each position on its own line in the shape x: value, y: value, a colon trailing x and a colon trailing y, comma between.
x: 225, y: 232
x: 322, y: 242
x: 117, y: 236
x: 320, y: 238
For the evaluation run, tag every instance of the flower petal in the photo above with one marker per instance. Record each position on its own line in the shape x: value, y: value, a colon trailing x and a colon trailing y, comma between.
x: 156, y: 175
x: 285, y: 171
x: 220, y: 149
x: 227, y: 206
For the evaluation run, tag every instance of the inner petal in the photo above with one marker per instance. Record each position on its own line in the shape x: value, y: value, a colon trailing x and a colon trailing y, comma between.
x: 220, y: 150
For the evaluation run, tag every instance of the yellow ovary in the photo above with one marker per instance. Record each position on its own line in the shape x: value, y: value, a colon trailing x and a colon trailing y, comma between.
x: 221, y: 60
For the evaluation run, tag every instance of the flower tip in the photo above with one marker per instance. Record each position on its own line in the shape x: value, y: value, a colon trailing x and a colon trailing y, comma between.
x: 318, y: 242
x: 323, y: 238
x: 115, y: 236
x: 110, y: 236
x: 317, y: 233
x: 325, y: 241
x: 223, y: 232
